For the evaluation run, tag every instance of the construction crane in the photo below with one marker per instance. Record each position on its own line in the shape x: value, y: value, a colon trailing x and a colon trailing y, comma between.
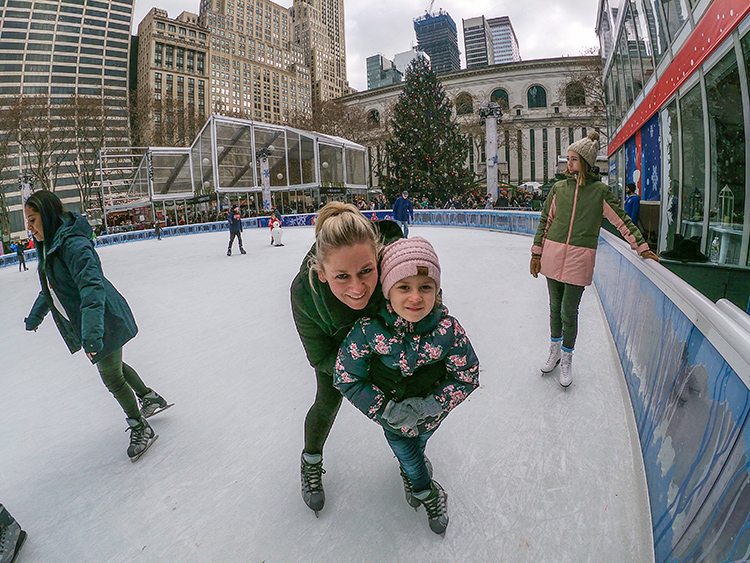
x: 429, y: 6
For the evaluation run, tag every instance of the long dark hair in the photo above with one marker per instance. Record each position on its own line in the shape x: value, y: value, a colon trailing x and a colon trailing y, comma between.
x: 53, y: 215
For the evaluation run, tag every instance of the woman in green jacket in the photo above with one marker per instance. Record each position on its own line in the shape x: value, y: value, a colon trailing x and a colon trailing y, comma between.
x: 87, y: 309
x: 336, y: 285
x: 564, y: 249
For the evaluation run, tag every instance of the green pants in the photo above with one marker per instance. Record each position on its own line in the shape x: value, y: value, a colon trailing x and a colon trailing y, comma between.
x: 123, y: 382
x: 564, y: 299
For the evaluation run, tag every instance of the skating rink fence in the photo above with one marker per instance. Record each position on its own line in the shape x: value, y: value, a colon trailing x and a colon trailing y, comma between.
x: 686, y: 364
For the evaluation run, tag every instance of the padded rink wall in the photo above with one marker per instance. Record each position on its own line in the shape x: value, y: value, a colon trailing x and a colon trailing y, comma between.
x: 686, y: 363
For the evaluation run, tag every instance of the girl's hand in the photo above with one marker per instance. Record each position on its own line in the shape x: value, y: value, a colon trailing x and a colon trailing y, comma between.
x: 650, y: 254
x: 90, y: 356
x: 536, y: 264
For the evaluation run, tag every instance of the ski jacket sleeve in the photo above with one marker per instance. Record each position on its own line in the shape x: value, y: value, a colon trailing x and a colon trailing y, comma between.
x: 83, y: 264
x: 38, y: 311
x: 545, y: 220
x: 621, y: 221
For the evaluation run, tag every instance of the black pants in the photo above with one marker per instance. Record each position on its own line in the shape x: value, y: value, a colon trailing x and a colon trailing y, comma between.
x: 322, y: 413
x: 564, y: 299
x: 21, y: 262
x: 237, y: 234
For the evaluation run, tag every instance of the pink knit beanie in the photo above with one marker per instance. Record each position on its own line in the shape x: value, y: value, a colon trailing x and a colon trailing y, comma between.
x: 403, y: 258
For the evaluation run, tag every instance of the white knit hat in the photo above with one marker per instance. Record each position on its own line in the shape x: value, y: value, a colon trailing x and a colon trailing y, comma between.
x: 588, y: 147
x: 403, y: 258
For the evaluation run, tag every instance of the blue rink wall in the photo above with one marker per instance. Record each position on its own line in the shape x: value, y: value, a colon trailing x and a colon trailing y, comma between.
x: 690, y: 405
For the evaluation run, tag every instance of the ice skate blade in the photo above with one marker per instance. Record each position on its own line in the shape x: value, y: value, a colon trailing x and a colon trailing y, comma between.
x: 138, y: 456
x: 316, y: 514
x: 157, y: 411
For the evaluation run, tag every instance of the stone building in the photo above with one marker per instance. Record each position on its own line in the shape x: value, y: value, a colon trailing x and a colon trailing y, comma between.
x: 545, y: 108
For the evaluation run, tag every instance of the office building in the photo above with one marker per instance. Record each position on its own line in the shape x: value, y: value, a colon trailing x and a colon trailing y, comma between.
x: 504, y: 41
x: 381, y: 72
x: 51, y: 51
x: 402, y: 60
x: 437, y: 36
x: 172, y: 78
x: 319, y: 32
x: 478, y: 46
x: 257, y: 71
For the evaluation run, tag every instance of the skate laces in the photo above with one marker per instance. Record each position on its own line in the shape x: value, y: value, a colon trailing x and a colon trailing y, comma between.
x: 436, y: 506
x: 138, y: 434
x: 313, y: 475
x: 149, y: 405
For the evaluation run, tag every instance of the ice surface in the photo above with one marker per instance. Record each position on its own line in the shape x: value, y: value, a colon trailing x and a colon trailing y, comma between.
x: 534, y: 473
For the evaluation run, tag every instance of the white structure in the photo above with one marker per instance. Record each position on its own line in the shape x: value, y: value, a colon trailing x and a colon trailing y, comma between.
x: 478, y: 45
x: 401, y: 60
x: 504, y: 41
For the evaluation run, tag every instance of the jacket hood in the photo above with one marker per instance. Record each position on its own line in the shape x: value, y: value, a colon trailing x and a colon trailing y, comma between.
x: 74, y: 225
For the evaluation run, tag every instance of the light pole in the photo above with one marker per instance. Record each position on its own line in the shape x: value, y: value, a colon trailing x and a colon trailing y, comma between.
x: 489, y: 114
x: 262, y: 154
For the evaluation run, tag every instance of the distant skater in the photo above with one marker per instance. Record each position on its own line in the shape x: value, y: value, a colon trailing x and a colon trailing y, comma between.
x: 235, y: 229
x: 565, y: 243
x: 20, y: 249
x: 276, y: 232
x: 377, y: 367
x: 88, y: 310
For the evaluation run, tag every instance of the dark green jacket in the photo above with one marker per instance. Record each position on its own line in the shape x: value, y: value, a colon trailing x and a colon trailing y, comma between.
x: 322, y: 320
x: 94, y: 315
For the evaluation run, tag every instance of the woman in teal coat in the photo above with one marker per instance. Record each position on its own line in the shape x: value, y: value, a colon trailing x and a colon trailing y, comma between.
x: 87, y: 309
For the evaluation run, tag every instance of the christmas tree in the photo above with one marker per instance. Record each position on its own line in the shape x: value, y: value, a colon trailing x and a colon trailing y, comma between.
x: 426, y: 153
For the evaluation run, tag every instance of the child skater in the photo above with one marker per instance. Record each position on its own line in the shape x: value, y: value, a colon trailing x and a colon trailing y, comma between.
x: 409, y: 366
x: 565, y: 244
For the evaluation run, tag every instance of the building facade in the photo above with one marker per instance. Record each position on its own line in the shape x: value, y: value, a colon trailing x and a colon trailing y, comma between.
x: 437, y: 36
x: 51, y: 52
x: 541, y: 116
x: 173, y: 78
x: 256, y: 68
x: 319, y: 32
x: 402, y: 60
x: 478, y: 46
x: 679, y: 119
x: 381, y: 72
x: 504, y: 41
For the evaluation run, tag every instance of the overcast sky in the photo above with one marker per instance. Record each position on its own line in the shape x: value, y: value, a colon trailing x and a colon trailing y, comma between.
x: 544, y: 28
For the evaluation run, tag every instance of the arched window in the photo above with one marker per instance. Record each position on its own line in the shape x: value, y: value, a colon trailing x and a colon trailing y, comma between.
x: 464, y: 104
x: 537, y: 97
x: 500, y: 96
x: 373, y: 117
x: 575, y: 94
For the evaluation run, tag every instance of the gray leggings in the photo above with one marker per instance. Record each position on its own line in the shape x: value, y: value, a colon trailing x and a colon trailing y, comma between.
x: 122, y: 381
x: 564, y: 299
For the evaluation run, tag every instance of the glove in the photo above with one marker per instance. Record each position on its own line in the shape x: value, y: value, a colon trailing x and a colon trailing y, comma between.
x: 536, y: 264
x: 427, y: 407
x: 400, y: 415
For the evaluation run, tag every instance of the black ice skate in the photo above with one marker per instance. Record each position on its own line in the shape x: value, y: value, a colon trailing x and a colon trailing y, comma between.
x: 312, y: 484
x: 408, y: 489
x: 141, y: 437
x: 11, y: 537
x: 152, y: 404
x: 435, y: 501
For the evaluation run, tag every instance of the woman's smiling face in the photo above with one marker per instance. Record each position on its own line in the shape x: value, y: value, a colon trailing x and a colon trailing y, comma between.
x: 352, y: 274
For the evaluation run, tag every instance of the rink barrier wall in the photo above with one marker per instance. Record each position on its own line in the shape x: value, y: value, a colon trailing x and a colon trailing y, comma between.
x: 686, y: 363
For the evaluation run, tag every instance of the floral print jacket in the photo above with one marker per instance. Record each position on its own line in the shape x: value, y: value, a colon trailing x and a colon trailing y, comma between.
x: 388, y: 358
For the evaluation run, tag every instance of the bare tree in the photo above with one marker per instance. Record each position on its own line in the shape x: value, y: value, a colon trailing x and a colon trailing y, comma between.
x: 582, y: 87
x: 6, y: 159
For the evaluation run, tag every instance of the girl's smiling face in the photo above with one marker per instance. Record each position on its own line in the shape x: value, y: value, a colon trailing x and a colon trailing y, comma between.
x: 413, y: 298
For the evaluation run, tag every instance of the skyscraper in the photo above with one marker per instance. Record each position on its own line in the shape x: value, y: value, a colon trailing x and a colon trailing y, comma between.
x: 256, y: 69
x: 381, y: 72
x: 478, y: 42
x: 58, y: 56
x: 319, y: 31
x: 402, y: 60
x: 504, y: 40
x: 437, y: 36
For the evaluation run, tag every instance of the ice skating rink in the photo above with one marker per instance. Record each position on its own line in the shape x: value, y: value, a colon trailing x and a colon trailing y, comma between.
x: 534, y: 473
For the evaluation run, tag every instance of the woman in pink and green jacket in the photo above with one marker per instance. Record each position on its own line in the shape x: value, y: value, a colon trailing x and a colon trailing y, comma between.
x: 564, y: 249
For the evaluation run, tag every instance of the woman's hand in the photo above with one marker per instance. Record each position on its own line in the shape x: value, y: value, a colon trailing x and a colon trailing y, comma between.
x: 650, y: 254
x: 536, y: 264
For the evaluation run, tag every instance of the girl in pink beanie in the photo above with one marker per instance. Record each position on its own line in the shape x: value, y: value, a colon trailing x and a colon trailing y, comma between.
x: 409, y: 366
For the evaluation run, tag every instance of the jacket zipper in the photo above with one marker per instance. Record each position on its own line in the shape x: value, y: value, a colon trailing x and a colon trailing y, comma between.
x: 570, y: 231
